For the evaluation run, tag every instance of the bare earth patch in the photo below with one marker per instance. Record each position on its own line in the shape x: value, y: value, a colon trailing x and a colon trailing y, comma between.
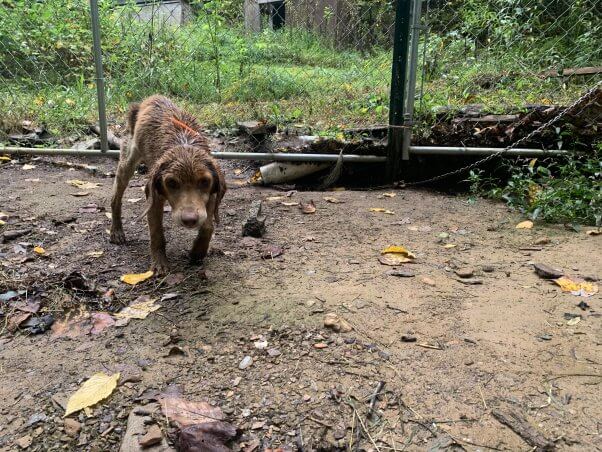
x: 462, y: 337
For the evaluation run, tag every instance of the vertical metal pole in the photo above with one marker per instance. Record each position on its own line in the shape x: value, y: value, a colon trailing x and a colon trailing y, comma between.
x: 100, y: 80
x: 409, y: 113
x: 398, y: 87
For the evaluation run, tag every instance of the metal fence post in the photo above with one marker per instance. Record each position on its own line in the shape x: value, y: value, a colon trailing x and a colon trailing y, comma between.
x: 398, y: 87
x: 409, y: 112
x: 100, y: 80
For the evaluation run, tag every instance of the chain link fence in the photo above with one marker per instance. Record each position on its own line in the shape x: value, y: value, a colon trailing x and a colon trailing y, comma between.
x: 483, y: 67
x: 320, y: 66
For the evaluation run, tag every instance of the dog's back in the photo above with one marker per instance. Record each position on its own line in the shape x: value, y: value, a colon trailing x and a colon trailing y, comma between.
x: 157, y: 124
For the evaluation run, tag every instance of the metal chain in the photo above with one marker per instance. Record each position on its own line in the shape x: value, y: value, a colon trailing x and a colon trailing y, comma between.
x: 585, y: 97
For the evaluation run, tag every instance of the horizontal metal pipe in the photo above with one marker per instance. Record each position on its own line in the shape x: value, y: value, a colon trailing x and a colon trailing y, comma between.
x: 450, y: 150
x: 289, y: 157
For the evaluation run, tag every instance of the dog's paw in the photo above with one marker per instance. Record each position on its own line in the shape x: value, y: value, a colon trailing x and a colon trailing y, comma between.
x: 117, y: 236
x: 195, y: 259
x: 160, y: 266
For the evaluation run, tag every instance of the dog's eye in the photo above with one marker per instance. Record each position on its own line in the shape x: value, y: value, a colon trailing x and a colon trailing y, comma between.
x: 204, y: 184
x: 172, y: 184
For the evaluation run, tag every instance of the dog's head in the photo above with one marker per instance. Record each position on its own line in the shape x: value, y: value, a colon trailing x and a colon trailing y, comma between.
x: 188, y: 179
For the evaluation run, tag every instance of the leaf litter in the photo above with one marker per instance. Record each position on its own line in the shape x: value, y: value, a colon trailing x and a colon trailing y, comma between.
x: 98, y: 387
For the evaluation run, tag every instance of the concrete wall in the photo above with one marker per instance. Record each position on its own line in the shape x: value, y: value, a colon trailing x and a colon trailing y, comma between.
x: 174, y: 12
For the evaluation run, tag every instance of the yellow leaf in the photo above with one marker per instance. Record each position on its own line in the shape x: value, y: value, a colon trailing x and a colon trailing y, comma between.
x: 135, y: 278
x: 28, y: 167
x: 2, y: 222
x: 381, y: 210
x: 577, y: 286
x: 398, y: 250
x: 449, y: 245
x: 39, y: 250
x: 98, y: 387
x: 95, y: 253
x: 574, y: 321
x: 525, y: 225
x: 4, y: 158
x: 532, y: 163
x: 140, y: 309
x: 83, y: 185
x: 594, y: 232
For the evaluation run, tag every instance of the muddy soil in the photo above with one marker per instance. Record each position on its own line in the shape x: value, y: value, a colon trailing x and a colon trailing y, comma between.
x: 452, y: 353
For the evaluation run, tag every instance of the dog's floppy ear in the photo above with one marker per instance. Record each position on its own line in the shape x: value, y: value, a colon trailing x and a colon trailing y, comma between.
x: 155, y: 180
x: 218, y: 188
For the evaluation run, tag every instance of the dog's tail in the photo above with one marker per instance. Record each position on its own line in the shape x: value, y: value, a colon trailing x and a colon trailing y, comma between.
x: 132, y: 117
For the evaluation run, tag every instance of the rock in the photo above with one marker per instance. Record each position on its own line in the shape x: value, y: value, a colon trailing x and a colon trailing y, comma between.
x: 7, y: 236
x: 488, y: 268
x: 542, y: 241
x: 334, y: 322
x: 36, y: 418
x: 246, y: 362
x: 153, y: 436
x: 547, y: 272
x: 72, y: 427
x: 273, y: 352
x: 255, y: 128
x: 428, y: 281
x: 254, y: 225
x: 136, y: 429
x: 24, y: 442
x: 408, y: 338
x: 465, y: 272
x: 401, y: 273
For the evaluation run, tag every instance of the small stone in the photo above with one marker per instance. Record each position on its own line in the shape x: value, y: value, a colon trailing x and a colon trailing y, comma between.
x: 401, y: 273
x: 334, y: 322
x: 469, y: 363
x: 254, y: 226
x: 236, y: 381
x: 465, y: 272
x: 428, y: 281
x: 12, y: 235
x: 320, y: 345
x: 273, y: 352
x: 246, y: 362
x: 306, y: 397
x: 245, y: 412
x: 546, y: 272
x: 72, y: 427
x: 408, y: 338
x: 258, y: 425
x: 488, y: 268
x: 260, y: 345
x: 153, y: 436
x: 24, y: 442
x: 542, y: 241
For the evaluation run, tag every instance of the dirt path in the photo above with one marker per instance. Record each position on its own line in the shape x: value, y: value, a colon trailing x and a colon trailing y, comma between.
x: 500, y: 345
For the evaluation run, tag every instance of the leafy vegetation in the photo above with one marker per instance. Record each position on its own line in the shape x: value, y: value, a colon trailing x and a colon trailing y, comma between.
x: 476, y: 51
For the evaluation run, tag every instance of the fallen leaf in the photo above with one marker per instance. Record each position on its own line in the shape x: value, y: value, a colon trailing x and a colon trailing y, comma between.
x: 140, y: 309
x: 332, y: 200
x: 15, y: 320
x: 135, y: 278
x: 389, y: 195
x: 134, y: 200
x: 2, y: 222
x: 35, y: 181
x: 79, y: 194
x: 449, y: 245
x: 525, y: 225
x: 594, y: 232
x: 271, y: 251
x: 381, y: 210
x: 4, y: 158
x: 28, y: 167
x: 274, y: 198
x: 310, y: 207
x: 39, y: 250
x: 289, y: 204
x: 577, y: 286
x: 100, y: 322
x: 207, y: 436
x: 83, y: 185
x: 90, y: 208
x: 73, y: 325
x: 97, y: 388
x: 95, y: 253
x: 428, y: 281
x: 185, y: 413
x: 108, y: 215
x: 398, y: 250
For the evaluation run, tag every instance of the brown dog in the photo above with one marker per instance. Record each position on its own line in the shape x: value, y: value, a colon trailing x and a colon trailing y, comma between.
x: 182, y: 173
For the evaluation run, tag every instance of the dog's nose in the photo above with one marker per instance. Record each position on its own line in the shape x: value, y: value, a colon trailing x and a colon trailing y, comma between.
x: 189, y: 218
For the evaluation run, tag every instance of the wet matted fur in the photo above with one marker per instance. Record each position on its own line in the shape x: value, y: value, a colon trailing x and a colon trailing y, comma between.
x: 182, y: 173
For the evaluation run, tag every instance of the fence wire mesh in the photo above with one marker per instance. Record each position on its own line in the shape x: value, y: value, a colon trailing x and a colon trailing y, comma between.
x: 485, y: 66
x: 321, y: 65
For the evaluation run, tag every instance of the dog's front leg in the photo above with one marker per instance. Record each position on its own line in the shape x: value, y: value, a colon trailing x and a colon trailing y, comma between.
x: 125, y: 171
x: 201, y: 243
x: 157, y: 237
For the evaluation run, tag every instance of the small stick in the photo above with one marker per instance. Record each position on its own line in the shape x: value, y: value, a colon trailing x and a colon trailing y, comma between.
x: 483, y: 397
x: 374, y: 398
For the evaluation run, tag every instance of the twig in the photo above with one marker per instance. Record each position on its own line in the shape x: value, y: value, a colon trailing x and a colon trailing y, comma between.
x: 522, y: 428
x: 556, y: 377
x: 363, y: 428
x: 374, y: 398
x: 483, y: 397
x: 318, y: 421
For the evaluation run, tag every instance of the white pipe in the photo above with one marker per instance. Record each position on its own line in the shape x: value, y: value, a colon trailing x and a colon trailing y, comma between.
x: 452, y: 150
x: 282, y: 172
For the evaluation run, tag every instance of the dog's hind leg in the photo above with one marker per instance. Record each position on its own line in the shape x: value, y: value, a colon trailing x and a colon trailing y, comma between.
x: 125, y: 170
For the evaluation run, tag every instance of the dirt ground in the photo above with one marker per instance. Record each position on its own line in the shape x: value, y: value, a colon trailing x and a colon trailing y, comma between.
x: 454, y: 357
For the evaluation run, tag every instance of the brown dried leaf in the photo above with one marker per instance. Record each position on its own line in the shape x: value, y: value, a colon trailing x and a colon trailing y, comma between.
x: 307, y: 208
